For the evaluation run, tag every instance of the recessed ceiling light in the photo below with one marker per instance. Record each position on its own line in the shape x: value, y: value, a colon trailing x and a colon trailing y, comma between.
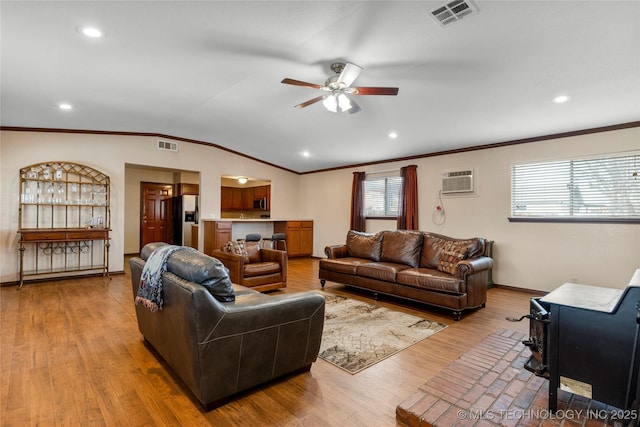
x: 65, y: 106
x: 305, y: 154
x: 393, y: 135
x: 560, y: 99
x: 90, y: 32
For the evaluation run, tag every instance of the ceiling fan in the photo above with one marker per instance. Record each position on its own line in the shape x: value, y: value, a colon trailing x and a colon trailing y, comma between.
x: 338, y: 87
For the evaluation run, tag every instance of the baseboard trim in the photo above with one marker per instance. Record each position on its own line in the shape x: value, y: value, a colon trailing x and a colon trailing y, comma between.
x: 516, y: 289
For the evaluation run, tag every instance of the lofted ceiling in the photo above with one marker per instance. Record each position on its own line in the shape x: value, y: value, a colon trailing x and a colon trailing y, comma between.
x: 211, y: 71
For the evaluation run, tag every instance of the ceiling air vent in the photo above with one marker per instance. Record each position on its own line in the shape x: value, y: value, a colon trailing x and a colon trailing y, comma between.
x: 167, y: 145
x: 453, y: 11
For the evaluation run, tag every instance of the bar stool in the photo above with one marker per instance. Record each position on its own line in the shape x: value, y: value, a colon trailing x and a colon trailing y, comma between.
x: 252, y: 237
x: 275, y: 239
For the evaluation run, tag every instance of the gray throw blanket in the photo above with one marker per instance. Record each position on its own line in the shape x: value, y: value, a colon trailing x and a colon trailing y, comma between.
x: 150, y: 290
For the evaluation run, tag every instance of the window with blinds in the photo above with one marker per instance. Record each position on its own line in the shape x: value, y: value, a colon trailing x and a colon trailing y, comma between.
x: 382, y: 195
x: 597, y: 189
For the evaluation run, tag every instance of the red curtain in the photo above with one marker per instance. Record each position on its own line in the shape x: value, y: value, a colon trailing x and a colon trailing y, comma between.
x: 408, y: 209
x: 358, y: 219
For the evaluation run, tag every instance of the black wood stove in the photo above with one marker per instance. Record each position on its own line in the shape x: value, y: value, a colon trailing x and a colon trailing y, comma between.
x: 584, y: 339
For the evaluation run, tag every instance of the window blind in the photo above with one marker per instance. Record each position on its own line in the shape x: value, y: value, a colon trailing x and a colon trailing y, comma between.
x: 607, y: 187
x: 382, y: 195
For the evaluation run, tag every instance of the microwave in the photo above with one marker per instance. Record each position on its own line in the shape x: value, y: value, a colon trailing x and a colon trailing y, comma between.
x: 260, y: 203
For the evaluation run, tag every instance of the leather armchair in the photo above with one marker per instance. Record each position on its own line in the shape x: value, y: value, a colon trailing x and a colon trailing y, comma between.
x: 262, y: 269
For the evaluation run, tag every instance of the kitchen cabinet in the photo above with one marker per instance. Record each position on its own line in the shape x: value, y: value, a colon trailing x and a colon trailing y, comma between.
x: 226, y: 198
x: 299, y: 236
x: 247, y: 199
x: 186, y: 189
x: 236, y: 199
x: 216, y: 234
x: 231, y: 199
x: 194, y: 237
x: 241, y: 199
x: 263, y: 191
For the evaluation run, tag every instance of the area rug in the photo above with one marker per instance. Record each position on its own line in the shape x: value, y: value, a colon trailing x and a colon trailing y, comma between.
x: 357, y: 335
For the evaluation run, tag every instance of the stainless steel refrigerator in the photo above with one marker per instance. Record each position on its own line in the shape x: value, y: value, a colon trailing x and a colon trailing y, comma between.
x: 184, y: 212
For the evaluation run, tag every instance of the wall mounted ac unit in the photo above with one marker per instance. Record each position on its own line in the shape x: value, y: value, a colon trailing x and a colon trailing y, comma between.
x: 457, y: 182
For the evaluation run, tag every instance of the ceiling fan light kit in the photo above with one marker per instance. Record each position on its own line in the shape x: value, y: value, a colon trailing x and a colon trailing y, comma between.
x: 340, y: 86
x: 337, y: 103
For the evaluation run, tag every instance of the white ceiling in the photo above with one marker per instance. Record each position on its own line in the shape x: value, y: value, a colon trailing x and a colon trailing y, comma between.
x: 211, y: 71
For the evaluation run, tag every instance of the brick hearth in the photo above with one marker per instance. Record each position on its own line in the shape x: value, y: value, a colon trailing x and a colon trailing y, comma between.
x: 488, y: 386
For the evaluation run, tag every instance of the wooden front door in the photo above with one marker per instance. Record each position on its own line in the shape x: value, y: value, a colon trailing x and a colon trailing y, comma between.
x: 155, y: 223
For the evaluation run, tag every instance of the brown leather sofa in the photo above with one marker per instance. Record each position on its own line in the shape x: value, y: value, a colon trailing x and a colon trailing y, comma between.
x: 415, y: 265
x: 221, y: 338
x: 262, y: 269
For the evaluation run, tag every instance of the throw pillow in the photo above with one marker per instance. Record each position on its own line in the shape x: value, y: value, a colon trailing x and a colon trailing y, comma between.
x: 235, y: 247
x: 450, y: 256
x: 253, y: 252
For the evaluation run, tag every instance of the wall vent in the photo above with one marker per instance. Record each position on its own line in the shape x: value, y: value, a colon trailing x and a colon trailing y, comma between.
x: 457, y: 182
x: 453, y: 11
x: 167, y: 145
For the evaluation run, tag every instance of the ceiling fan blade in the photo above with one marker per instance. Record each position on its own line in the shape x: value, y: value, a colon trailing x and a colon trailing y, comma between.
x: 376, y: 91
x: 349, y: 73
x: 354, y: 107
x: 309, y: 102
x: 301, y: 83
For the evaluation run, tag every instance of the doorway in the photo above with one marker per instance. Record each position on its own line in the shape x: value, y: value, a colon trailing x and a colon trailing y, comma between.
x: 155, y: 221
x: 135, y: 176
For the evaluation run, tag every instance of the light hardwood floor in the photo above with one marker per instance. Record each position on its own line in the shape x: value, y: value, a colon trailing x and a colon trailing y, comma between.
x: 71, y: 354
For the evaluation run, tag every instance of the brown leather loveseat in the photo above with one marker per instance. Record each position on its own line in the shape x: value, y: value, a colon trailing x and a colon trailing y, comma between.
x: 221, y: 338
x: 415, y: 265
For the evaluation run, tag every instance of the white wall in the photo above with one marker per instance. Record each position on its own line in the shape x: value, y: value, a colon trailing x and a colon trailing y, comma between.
x: 528, y: 255
x: 109, y: 154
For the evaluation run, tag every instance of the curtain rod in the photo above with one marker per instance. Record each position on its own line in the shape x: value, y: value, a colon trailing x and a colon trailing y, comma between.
x: 385, y: 171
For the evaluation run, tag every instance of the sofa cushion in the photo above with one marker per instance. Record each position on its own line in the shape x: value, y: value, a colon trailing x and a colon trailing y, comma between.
x: 364, y: 245
x: 434, y: 244
x: 253, y: 252
x: 380, y: 270
x: 346, y: 265
x: 202, y: 269
x: 402, y: 247
x: 261, y: 268
x: 451, y: 255
x: 428, y: 278
x: 241, y: 291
